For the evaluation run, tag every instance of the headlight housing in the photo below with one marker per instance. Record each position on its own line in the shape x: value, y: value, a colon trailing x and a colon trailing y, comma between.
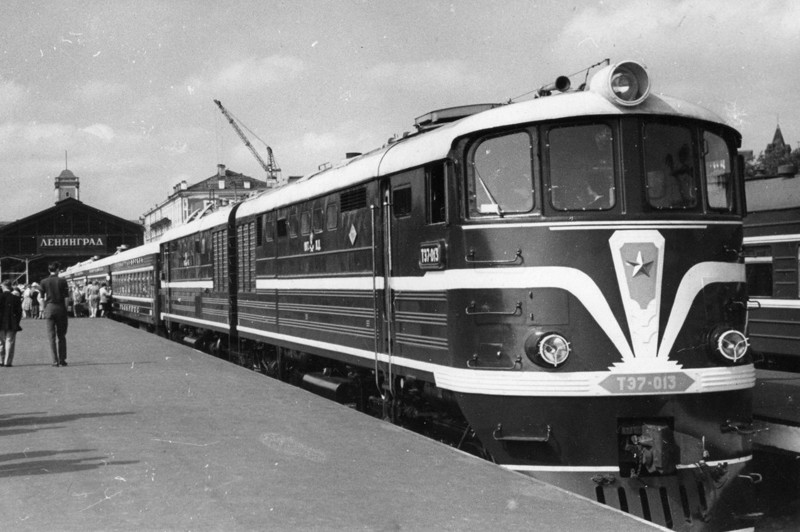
x: 625, y: 83
x: 550, y: 350
x: 731, y: 344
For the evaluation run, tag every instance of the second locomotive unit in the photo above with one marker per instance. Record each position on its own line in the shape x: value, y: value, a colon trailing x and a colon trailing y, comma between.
x: 563, y: 272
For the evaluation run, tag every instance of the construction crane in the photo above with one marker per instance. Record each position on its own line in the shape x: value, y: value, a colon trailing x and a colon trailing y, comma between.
x: 270, y: 167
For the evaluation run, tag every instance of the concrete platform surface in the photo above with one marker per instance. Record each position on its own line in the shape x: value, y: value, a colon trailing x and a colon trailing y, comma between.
x: 140, y: 433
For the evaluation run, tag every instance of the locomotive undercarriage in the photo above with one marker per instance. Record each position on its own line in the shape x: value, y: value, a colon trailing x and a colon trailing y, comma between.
x: 666, y: 459
x: 409, y: 402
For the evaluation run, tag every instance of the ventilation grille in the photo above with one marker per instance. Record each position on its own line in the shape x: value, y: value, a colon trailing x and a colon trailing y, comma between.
x: 354, y: 199
x: 670, y: 506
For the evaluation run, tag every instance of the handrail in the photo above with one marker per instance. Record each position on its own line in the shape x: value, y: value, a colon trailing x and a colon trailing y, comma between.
x: 497, y: 434
x: 470, y: 311
x: 469, y: 259
x: 472, y: 363
x: 375, y: 301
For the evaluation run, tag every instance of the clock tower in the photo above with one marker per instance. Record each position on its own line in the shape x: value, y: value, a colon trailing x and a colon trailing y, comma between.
x: 67, y: 186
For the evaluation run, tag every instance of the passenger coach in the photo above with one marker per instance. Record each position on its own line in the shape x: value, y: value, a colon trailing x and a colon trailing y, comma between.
x: 772, y: 256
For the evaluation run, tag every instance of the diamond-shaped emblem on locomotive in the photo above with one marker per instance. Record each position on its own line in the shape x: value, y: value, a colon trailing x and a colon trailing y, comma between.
x: 353, y: 234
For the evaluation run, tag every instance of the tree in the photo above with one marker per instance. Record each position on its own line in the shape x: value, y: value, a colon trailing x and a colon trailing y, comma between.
x: 774, y: 156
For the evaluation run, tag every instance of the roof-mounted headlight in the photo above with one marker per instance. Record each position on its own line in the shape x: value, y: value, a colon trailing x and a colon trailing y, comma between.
x: 625, y: 83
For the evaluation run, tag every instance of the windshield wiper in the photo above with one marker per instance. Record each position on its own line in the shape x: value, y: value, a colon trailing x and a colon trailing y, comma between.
x: 488, y: 193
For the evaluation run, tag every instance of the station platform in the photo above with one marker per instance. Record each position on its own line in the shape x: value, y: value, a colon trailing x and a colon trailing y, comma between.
x: 776, y: 410
x: 140, y: 433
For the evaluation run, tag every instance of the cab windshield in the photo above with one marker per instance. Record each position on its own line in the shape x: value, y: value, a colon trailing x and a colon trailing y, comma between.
x: 502, y: 175
x: 582, y: 168
x: 675, y: 160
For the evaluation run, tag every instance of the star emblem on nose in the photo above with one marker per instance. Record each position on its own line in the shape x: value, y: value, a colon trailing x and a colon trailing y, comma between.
x: 640, y: 267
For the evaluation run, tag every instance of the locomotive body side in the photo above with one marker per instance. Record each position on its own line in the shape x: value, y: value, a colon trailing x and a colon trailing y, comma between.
x: 198, y: 275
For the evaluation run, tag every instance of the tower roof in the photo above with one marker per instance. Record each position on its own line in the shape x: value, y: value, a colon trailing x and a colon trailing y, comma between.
x: 777, y: 139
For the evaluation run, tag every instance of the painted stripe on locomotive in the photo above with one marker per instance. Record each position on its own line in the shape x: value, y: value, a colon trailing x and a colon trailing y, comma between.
x: 323, y: 283
x: 190, y: 319
x: 531, y: 384
x: 615, y: 469
x: 583, y: 225
x: 188, y: 284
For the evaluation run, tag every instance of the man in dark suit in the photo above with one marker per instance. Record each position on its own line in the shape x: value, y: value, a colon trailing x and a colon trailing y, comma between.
x: 10, y: 316
x: 56, y: 292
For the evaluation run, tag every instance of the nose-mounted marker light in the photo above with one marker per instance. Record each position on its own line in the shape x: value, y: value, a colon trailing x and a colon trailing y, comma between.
x: 731, y: 344
x: 626, y: 83
x: 553, y: 349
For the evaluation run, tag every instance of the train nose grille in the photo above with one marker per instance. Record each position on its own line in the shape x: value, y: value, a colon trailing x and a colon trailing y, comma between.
x: 668, y: 506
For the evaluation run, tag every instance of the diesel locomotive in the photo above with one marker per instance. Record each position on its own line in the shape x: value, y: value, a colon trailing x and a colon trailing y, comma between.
x: 564, y: 274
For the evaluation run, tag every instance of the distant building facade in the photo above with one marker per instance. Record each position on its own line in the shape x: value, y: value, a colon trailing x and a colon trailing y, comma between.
x: 69, y: 232
x: 187, y: 203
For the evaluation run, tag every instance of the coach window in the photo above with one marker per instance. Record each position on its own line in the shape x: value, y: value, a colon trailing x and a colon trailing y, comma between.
x: 401, y: 201
x: 282, y: 226
x: 719, y: 173
x: 318, y: 220
x: 501, y: 175
x: 797, y: 270
x: 305, y: 222
x: 670, y: 167
x: 269, y: 224
x: 332, y: 216
x: 582, y: 167
x: 293, y: 224
x: 758, y: 270
x: 435, y: 194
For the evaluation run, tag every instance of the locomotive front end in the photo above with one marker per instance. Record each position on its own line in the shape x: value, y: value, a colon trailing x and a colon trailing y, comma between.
x: 598, y: 301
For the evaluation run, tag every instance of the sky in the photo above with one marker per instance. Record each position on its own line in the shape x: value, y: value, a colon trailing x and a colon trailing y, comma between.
x: 121, y: 92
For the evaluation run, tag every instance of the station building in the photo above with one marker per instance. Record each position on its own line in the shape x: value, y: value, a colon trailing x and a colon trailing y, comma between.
x: 68, y: 232
x: 189, y: 202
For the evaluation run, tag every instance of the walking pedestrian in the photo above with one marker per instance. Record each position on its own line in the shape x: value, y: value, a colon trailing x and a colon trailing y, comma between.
x: 10, y: 316
x: 56, y: 292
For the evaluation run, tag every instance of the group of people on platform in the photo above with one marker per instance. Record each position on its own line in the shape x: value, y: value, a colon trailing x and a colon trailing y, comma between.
x: 92, y: 300
x: 52, y: 300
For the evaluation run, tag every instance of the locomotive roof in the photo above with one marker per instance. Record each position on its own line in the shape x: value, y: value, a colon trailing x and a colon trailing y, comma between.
x: 208, y: 221
x: 423, y: 148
